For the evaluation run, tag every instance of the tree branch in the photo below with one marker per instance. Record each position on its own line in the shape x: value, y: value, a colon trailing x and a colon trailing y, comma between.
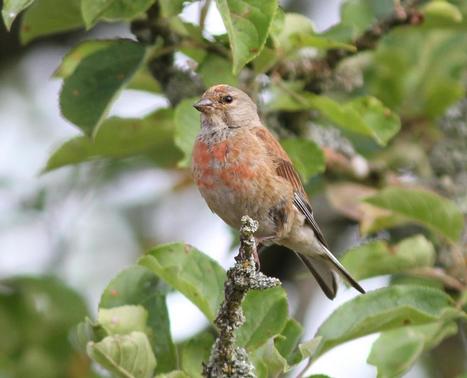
x: 227, y: 359
x: 316, y: 70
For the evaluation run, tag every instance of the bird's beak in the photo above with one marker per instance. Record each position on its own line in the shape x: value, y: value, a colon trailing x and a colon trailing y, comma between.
x: 202, y: 104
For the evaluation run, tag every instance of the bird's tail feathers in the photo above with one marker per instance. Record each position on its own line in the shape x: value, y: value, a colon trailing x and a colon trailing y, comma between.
x: 322, y: 267
x: 342, y: 271
x: 322, y: 273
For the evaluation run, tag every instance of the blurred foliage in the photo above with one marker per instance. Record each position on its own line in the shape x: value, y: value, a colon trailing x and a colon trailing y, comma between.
x: 370, y: 91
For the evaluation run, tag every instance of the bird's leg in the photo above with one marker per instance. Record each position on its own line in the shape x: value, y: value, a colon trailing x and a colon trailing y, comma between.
x: 260, y: 247
x: 262, y: 239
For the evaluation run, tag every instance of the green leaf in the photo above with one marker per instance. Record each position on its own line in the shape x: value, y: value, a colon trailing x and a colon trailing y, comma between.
x: 379, y: 258
x: 194, y: 352
x: 174, y: 374
x: 306, y: 156
x: 421, y: 206
x: 112, y: 10
x: 36, y: 316
x: 171, y: 8
x: 266, y: 59
x: 287, y: 341
x: 288, y: 345
x: 358, y: 15
x: 142, y: 79
x: 122, y: 137
x: 11, y: 9
x: 191, y: 272
x: 187, y: 126
x: 285, y: 26
x: 395, y: 351
x: 88, y: 92
x: 138, y: 286
x: 128, y: 356
x: 266, y: 314
x: 123, y: 320
x: 73, y: 57
x: 441, y: 13
x: 364, y: 115
x: 284, y: 351
x: 46, y: 17
x: 300, y: 40
x: 84, y: 332
x: 416, y: 91
x: 384, y: 309
x: 247, y: 23
x: 216, y: 70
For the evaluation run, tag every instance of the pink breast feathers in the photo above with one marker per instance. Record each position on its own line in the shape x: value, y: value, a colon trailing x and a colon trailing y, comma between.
x: 212, y: 164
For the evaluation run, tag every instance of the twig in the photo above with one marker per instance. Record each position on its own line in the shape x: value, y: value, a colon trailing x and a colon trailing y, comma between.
x: 440, y: 275
x: 203, y: 13
x: 227, y: 359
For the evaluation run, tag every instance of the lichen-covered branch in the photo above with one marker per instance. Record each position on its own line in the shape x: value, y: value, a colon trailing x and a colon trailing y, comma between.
x: 227, y: 359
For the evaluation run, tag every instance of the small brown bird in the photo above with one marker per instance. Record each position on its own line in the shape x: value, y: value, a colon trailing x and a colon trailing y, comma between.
x: 241, y: 169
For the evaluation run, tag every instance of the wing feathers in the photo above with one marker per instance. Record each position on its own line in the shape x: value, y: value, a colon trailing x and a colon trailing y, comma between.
x: 320, y: 266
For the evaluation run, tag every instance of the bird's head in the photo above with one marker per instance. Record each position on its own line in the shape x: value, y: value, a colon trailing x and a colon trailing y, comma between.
x: 227, y: 105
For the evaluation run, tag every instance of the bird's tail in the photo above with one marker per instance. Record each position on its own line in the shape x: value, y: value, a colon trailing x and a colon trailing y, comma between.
x: 322, y: 267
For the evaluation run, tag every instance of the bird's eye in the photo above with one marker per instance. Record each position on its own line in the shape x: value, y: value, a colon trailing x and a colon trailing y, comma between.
x: 227, y: 99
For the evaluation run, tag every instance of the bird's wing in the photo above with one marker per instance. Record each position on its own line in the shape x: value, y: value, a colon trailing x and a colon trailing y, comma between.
x: 285, y: 169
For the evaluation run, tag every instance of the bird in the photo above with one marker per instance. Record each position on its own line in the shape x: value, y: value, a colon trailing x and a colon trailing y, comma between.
x: 240, y: 169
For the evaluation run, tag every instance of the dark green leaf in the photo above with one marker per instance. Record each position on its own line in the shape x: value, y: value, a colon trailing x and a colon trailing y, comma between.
x: 385, y: 309
x: 122, y: 137
x: 112, y: 10
x: 427, y: 208
x: 46, y: 17
x: 194, y: 352
x: 379, y: 258
x: 82, y: 50
x: 139, y: 286
x: 127, y: 356
x: 395, y: 351
x: 194, y: 274
x: 265, y: 313
x: 142, y: 80
x: 187, y: 125
x: 306, y: 156
x: 89, y: 91
x: 247, y: 23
